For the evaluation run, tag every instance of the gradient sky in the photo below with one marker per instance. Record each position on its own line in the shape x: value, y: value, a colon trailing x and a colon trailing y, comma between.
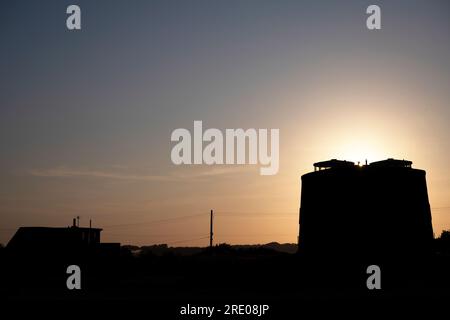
x: 86, y: 116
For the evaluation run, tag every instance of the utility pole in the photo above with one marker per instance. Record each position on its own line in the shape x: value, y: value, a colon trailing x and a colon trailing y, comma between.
x: 211, y: 230
x: 90, y: 227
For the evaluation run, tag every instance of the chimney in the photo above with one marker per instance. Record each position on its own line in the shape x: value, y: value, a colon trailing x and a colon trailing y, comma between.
x: 74, y: 223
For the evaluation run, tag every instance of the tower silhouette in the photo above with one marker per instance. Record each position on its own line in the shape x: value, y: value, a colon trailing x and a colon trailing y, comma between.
x: 381, y: 208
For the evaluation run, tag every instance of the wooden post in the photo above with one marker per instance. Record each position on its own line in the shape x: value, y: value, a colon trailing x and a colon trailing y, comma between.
x: 211, y: 230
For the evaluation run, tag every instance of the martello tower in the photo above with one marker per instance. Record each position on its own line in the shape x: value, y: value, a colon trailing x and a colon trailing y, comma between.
x: 381, y: 208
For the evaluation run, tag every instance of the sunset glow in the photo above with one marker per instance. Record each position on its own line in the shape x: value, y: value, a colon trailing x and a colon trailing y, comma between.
x: 87, y: 134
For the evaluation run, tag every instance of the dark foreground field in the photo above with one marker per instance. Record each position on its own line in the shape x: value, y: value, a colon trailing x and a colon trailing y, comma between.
x: 290, y: 284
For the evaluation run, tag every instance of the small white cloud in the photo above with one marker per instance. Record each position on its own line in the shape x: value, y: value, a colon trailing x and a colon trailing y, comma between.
x: 67, y: 172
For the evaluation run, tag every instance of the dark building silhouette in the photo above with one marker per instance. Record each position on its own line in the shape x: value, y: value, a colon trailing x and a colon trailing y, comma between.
x: 44, y: 237
x: 49, y: 252
x: 361, y: 210
x: 60, y: 241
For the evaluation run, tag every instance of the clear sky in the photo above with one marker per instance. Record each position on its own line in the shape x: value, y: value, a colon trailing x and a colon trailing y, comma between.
x: 86, y: 116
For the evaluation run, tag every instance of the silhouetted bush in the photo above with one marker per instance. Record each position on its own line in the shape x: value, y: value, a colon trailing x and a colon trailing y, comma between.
x: 445, y: 235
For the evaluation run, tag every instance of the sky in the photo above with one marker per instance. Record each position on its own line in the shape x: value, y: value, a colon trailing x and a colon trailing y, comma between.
x: 86, y: 116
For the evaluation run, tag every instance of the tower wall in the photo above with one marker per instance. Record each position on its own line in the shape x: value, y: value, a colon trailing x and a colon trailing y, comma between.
x: 365, y: 210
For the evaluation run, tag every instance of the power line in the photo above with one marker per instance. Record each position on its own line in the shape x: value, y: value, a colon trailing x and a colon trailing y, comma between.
x: 251, y: 235
x: 140, y: 235
x: 188, y: 240
x: 222, y: 213
x: 154, y: 221
x: 254, y: 213
x: 257, y: 215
